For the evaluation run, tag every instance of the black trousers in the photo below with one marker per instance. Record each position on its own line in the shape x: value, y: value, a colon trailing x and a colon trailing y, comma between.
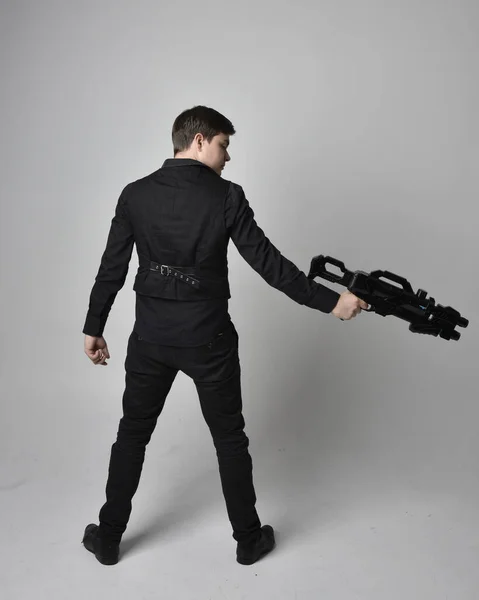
x: 150, y: 372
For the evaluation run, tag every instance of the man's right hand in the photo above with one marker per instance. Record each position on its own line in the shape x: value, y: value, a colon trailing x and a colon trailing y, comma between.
x: 348, y: 306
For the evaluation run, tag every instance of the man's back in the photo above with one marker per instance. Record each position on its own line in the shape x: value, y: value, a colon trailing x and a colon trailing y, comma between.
x: 178, y: 213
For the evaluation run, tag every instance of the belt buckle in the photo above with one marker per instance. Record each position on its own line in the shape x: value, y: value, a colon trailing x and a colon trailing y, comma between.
x: 168, y: 270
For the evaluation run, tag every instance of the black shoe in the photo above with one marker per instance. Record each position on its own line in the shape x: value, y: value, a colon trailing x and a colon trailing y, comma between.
x: 249, y: 553
x: 105, y: 551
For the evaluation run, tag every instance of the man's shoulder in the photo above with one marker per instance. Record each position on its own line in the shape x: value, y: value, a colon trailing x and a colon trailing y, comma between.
x: 235, y: 190
x: 144, y: 180
x: 136, y: 186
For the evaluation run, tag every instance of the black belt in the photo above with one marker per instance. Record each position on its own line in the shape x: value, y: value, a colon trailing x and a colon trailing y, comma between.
x: 168, y: 270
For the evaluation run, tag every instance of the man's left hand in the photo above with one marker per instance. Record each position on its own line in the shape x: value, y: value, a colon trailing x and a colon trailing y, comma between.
x: 96, y: 349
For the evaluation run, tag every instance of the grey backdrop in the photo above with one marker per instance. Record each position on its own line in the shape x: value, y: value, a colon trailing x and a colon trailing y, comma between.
x: 357, y: 137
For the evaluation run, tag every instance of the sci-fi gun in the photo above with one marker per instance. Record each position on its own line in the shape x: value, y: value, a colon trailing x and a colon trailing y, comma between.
x: 423, y: 314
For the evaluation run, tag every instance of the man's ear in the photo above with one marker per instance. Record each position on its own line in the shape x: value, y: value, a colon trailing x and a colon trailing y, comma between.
x: 199, y: 140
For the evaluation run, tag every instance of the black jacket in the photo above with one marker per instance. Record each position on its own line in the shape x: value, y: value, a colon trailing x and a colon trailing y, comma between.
x: 181, y: 218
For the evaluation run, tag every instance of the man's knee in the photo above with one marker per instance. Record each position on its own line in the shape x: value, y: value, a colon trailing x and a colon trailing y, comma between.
x: 232, y: 445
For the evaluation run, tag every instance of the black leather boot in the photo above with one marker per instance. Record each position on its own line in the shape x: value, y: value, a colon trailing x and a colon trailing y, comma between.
x: 249, y: 553
x: 105, y: 551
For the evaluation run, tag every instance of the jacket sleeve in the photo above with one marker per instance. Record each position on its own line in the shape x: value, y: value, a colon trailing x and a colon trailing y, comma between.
x: 113, y: 269
x: 267, y: 260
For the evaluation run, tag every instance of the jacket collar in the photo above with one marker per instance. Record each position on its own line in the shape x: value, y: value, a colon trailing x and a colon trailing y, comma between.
x: 184, y: 162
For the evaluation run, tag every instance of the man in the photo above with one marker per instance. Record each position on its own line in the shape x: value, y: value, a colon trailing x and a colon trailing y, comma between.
x: 181, y: 218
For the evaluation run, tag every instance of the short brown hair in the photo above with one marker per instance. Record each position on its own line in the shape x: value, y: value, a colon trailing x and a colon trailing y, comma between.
x: 199, y: 119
